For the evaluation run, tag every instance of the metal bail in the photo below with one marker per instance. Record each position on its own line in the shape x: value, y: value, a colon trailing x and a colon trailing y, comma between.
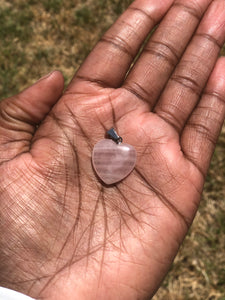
x: 114, y: 136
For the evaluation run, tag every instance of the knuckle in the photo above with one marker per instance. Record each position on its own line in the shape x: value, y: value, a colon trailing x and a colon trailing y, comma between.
x: 191, y: 7
x: 163, y: 50
x: 209, y: 38
x: 142, y: 13
x: 8, y: 111
x: 138, y: 91
x: 218, y: 95
x: 119, y: 43
x: 171, y: 116
x: 204, y: 131
x: 188, y: 82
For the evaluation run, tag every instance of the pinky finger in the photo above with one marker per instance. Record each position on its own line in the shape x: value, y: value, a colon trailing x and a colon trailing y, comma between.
x: 201, y: 132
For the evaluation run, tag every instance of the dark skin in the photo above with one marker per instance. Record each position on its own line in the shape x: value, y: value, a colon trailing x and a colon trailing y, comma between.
x: 66, y: 235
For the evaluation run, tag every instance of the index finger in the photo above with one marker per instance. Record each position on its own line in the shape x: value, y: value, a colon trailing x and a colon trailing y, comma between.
x: 111, y: 58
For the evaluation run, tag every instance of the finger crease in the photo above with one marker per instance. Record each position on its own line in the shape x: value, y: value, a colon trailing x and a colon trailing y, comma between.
x: 187, y: 82
x: 133, y: 29
x: 160, y: 53
x: 167, y: 118
x: 169, y: 47
x: 14, y: 115
x: 14, y: 157
x: 119, y: 43
x: 143, y: 13
x: 216, y: 95
x: 195, y: 164
x: 209, y: 38
x: 204, y: 131
x: 99, y: 82
x: 189, y: 10
x: 138, y: 94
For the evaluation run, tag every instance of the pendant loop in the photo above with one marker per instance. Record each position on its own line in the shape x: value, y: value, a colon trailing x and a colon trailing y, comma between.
x: 114, y: 136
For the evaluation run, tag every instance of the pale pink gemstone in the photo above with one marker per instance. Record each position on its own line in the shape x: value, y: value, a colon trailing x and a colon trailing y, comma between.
x: 113, y: 162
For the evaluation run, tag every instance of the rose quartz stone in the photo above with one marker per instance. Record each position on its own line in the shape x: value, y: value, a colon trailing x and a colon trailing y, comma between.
x: 113, y: 162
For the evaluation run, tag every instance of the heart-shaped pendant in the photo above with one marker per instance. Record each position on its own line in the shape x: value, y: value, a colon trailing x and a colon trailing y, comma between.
x: 113, y: 160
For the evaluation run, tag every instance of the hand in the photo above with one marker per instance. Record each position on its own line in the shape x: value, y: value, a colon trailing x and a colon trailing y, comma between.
x: 64, y: 235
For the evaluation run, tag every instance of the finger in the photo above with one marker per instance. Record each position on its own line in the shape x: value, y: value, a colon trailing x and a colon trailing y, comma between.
x: 31, y: 105
x: 187, y: 82
x: 203, y: 128
x: 153, y: 69
x: 20, y: 114
x: 110, y: 60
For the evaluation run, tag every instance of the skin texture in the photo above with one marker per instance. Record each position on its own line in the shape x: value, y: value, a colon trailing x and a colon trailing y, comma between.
x: 66, y: 235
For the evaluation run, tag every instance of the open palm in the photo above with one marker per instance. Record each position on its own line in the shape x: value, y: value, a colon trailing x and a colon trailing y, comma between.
x: 66, y: 235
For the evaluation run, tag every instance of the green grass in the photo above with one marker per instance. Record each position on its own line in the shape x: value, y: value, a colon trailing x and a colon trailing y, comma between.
x: 83, y: 17
x: 53, y: 6
x: 15, y: 24
x: 39, y: 36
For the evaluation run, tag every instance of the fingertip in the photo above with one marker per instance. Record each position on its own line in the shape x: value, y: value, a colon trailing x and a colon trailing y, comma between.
x: 56, y: 74
x: 39, y: 98
x: 213, y: 22
x: 54, y: 78
x: 155, y: 9
x: 51, y: 84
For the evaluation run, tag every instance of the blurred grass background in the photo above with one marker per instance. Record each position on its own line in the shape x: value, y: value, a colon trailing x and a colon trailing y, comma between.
x: 38, y: 36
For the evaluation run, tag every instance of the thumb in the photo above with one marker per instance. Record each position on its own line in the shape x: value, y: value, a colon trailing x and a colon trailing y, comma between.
x: 20, y: 114
x: 32, y: 104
